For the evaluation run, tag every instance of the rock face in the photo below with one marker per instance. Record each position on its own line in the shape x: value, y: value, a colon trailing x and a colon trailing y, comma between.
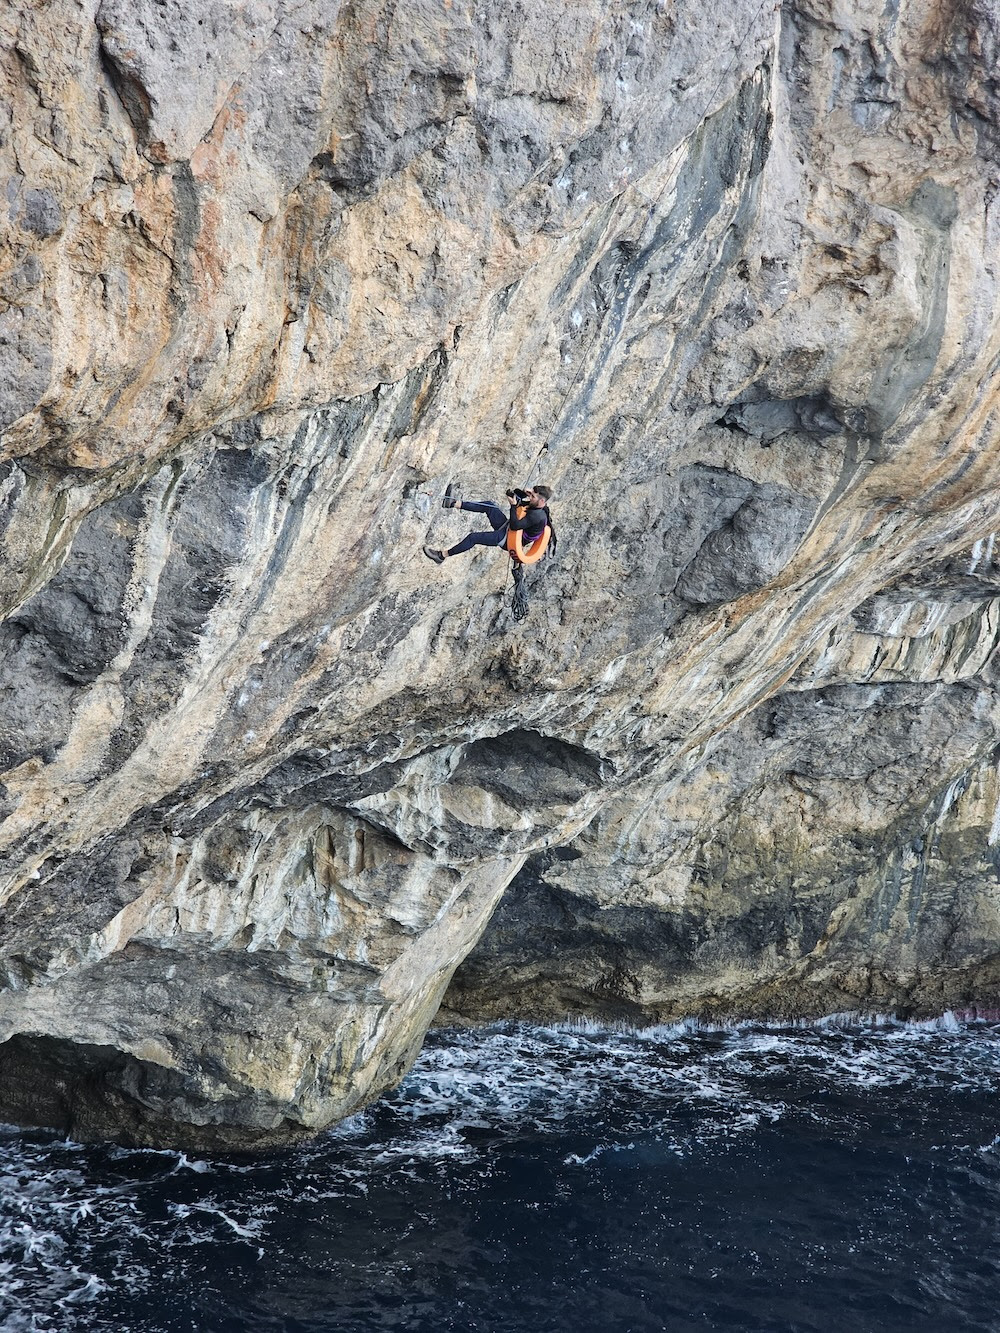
x: 838, y: 851
x: 277, y: 271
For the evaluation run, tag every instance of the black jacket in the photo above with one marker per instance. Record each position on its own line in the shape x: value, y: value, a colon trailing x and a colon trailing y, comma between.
x: 533, y: 523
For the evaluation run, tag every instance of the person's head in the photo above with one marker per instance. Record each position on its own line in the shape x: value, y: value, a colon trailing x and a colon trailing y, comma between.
x: 539, y: 496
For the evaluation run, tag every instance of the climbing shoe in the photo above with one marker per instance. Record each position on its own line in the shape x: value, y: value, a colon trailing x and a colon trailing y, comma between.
x: 431, y: 554
x: 451, y: 502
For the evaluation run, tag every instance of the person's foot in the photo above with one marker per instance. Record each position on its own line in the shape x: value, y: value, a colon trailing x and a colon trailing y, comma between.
x: 431, y: 554
x: 451, y: 502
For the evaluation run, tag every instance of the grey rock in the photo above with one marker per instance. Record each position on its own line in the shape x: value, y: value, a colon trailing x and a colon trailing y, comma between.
x: 25, y: 360
x: 769, y: 418
x: 173, y: 66
x: 40, y: 213
x: 750, y: 548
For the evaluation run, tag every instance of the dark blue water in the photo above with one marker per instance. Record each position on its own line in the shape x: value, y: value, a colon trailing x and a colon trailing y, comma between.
x: 524, y: 1179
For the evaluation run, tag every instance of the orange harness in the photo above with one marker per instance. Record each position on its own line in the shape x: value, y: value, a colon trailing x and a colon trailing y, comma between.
x: 533, y: 552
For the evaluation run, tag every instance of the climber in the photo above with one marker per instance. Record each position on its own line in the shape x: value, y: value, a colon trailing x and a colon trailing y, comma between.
x: 532, y: 525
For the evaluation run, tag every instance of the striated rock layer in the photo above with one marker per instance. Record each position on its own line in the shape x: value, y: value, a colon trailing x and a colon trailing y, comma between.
x: 274, y: 273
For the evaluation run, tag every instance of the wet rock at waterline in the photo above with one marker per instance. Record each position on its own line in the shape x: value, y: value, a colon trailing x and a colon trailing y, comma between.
x: 271, y: 278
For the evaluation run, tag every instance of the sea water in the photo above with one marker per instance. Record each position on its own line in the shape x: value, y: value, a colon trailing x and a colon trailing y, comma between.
x: 833, y: 1176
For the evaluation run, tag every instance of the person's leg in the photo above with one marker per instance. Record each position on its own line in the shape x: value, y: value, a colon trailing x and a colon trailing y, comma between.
x: 498, y: 523
x: 495, y: 538
x: 497, y: 517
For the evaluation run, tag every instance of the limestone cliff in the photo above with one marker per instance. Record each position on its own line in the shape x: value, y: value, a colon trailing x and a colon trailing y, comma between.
x: 274, y: 273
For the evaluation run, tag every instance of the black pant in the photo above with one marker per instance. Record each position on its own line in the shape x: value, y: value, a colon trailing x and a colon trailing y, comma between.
x: 498, y: 522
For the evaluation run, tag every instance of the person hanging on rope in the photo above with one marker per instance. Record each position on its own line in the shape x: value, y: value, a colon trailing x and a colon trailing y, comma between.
x: 536, y: 517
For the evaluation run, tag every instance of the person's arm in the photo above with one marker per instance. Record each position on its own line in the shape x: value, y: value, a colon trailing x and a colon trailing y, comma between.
x: 516, y: 497
x: 533, y: 521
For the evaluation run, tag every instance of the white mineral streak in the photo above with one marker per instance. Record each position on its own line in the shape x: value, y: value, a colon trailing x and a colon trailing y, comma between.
x: 274, y: 273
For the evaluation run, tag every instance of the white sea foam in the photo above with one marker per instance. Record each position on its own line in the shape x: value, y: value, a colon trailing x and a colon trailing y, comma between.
x: 60, y: 1216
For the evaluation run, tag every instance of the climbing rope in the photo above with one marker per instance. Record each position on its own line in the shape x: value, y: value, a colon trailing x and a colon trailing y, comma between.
x: 519, y: 601
x: 653, y: 205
